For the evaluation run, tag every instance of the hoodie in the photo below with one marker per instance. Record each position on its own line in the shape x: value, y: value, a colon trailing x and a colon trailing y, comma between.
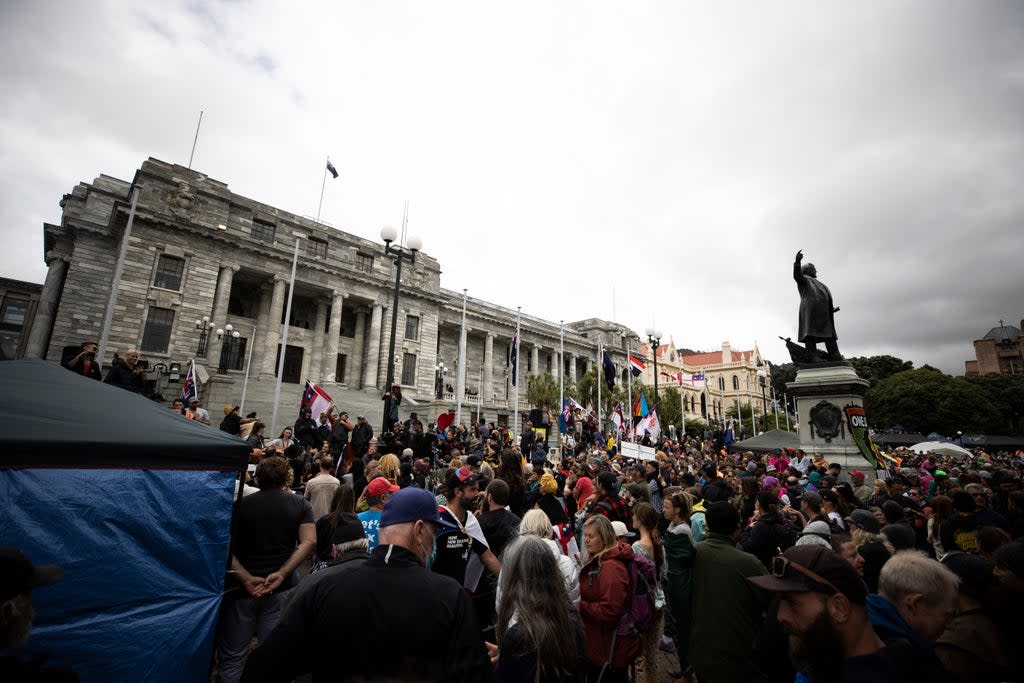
x: 915, y: 658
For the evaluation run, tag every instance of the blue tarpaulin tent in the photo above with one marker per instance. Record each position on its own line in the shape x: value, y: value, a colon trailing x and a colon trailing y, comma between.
x: 135, y: 503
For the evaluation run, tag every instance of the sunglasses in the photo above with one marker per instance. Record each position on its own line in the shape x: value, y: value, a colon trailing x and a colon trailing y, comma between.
x: 780, y: 563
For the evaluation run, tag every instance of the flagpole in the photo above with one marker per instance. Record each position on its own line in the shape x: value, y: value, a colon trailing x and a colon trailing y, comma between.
x: 323, y: 185
x: 195, y: 140
x: 284, y: 333
x: 516, y: 423
x: 479, y: 393
x: 629, y: 386
x: 248, y: 364
x: 460, y: 379
x: 598, y: 372
x: 785, y: 408
x: 775, y: 408
x: 561, y: 373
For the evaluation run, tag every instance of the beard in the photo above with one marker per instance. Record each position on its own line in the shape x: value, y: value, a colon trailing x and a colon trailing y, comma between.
x: 818, y: 650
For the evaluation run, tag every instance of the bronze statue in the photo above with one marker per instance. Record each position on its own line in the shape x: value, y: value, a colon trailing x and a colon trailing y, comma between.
x: 817, y: 315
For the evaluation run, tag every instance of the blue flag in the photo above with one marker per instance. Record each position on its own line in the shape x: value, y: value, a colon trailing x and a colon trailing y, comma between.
x: 330, y: 169
x: 609, y: 370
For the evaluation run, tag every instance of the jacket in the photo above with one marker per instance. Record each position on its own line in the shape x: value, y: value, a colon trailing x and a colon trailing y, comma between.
x: 605, y: 594
x: 915, y: 658
x: 432, y: 633
x: 767, y: 537
x: 679, y: 557
x: 726, y: 611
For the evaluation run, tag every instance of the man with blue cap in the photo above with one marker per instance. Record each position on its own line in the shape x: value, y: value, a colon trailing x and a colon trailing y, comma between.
x: 390, y: 618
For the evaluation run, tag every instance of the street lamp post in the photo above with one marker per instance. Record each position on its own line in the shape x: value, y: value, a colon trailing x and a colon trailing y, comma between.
x: 761, y: 375
x: 204, y: 326
x: 654, y: 339
x: 232, y: 342
x: 415, y: 244
x: 441, y: 369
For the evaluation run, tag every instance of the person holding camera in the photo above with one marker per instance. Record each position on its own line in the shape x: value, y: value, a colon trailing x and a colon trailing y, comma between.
x: 126, y: 372
x: 85, y: 362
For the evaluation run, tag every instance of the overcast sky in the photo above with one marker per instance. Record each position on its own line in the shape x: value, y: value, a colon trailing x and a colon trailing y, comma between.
x: 658, y: 163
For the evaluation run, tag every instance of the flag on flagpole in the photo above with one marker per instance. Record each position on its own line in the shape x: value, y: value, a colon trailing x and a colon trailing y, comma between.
x: 695, y: 379
x: 653, y: 425
x: 640, y: 406
x: 316, y: 399
x: 619, y: 420
x: 609, y: 369
x: 330, y: 169
x: 513, y: 354
x: 636, y: 365
x: 566, y: 421
x: 189, y: 390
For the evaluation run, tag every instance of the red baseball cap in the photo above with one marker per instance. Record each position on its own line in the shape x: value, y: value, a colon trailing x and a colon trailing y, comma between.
x: 379, y: 486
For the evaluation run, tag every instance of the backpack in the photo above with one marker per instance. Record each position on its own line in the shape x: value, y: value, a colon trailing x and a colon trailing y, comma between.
x: 642, y: 614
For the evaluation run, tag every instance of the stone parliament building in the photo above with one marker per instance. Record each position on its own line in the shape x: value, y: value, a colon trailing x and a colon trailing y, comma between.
x: 200, y: 258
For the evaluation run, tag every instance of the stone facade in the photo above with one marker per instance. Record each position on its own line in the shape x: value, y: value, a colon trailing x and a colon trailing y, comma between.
x: 200, y: 258
x: 18, y: 303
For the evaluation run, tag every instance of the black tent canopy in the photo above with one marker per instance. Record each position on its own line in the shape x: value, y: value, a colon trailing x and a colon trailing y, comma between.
x: 768, y: 441
x: 51, y: 417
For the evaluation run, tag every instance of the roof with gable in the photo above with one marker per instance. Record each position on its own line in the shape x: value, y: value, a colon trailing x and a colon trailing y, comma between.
x: 715, y: 358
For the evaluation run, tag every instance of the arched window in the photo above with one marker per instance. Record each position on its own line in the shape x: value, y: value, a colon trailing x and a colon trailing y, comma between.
x: 721, y: 383
x: 735, y: 383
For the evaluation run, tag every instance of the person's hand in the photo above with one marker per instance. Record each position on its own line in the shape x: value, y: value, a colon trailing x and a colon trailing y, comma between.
x: 492, y: 652
x: 273, y: 582
x: 254, y: 585
x: 800, y: 255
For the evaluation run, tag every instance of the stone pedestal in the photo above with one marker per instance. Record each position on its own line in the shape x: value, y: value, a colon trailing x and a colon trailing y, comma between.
x: 829, y: 406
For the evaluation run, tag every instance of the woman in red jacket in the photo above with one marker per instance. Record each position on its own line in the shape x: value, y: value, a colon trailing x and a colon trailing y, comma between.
x: 604, y: 598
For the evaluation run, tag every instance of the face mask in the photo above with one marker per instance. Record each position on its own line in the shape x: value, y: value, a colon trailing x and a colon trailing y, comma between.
x: 429, y: 558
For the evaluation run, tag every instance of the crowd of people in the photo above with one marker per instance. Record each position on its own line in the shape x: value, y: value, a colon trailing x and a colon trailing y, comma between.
x: 446, y: 552
x: 454, y: 553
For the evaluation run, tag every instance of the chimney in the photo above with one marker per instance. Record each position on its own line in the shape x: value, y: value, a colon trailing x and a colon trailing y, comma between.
x: 726, y: 352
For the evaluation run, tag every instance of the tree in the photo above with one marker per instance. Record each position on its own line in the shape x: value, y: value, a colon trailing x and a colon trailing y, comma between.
x: 877, y: 368
x: 781, y: 376
x: 542, y: 390
x: 1007, y: 393
x: 926, y: 400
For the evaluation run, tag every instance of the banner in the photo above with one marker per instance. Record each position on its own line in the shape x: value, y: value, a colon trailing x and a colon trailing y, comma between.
x: 635, y: 450
x: 858, y: 423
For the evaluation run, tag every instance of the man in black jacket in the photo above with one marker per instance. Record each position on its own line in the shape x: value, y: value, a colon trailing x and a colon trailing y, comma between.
x: 715, y: 489
x: 361, y: 435
x: 398, y: 620
x: 126, y: 372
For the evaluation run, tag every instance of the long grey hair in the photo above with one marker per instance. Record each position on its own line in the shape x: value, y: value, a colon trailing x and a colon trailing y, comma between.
x: 533, y: 594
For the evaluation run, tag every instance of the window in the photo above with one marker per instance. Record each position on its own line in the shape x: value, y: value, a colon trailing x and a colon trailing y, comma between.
x: 232, y: 353
x: 735, y: 383
x: 721, y: 383
x: 263, y: 231
x: 168, y: 272
x: 409, y: 369
x: 412, y: 327
x: 339, y: 368
x: 348, y: 322
x: 13, y: 313
x: 364, y: 263
x: 157, y: 334
x: 316, y: 248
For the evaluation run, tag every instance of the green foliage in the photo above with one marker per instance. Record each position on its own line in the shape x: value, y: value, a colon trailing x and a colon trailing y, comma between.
x: 926, y: 400
x: 782, y: 375
x: 877, y: 368
x: 1007, y: 393
x: 542, y: 389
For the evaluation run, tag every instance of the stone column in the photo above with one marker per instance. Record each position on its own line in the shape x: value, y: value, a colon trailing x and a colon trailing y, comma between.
x: 35, y: 346
x: 319, y: 368
x: 272, y: 337
x: 355, y: 363
x: 488, y: 387
x: 330, y: 360
x: 535, y: 359
x: 373, y: 348
x: 572, y: 367
x: 220, y: 313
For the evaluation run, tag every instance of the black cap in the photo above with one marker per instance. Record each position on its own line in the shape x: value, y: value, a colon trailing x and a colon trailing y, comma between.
x: 865, y: 520
x: 608, y: 480
x: 18, y: 575
x: 349, y: 528
x: 821, y: 566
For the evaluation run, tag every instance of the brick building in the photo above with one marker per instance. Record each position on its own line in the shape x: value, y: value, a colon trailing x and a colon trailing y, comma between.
x: 1001, y: 351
